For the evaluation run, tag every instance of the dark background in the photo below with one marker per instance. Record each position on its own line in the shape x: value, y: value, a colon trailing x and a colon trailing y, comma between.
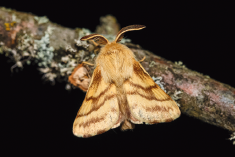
x: 37, y: 117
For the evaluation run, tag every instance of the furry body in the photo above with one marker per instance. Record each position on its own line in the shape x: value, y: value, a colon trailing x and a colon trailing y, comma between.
x: 121, y: 92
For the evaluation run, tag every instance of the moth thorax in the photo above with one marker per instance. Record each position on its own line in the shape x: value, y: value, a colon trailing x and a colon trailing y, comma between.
x: 116, y: 63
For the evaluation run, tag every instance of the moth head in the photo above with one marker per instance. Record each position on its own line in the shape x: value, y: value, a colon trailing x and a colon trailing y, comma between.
x: 100, y: 39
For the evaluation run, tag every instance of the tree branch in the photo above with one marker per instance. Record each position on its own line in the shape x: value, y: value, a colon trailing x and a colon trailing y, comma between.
x: 57, y: 50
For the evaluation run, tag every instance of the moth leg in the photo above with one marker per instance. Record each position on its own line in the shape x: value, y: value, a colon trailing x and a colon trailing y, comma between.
x: 87, y: 63
x: 97, y: 48
x: 142, y: 59
x: 94, y: 43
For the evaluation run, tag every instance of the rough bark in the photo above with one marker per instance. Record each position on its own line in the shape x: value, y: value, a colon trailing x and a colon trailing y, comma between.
x: 25, y: 38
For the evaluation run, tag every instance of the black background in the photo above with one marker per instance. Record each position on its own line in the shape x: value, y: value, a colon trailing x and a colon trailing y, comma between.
x: 37, y: 117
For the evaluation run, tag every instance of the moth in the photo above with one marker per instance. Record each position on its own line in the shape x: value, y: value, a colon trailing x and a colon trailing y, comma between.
x: 121, y: 92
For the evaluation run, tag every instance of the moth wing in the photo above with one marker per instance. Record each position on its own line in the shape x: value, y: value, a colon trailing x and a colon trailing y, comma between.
x: 147, y: 101
x: 99, y: 111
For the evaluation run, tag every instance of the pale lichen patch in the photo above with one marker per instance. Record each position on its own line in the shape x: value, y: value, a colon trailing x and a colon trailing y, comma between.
x: 70, y: 49
x: 15, y: 19
x: 152, y: 64
x: 180, y: 63
x: 44, y: 51
x: 92, y: 55
x: 41, y: 20
x: 176, y: 96
x: 157, y: 80
x: 232, y: 138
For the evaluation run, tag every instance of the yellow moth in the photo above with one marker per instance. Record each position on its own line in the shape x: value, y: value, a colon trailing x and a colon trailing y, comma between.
x: 121, y: 92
